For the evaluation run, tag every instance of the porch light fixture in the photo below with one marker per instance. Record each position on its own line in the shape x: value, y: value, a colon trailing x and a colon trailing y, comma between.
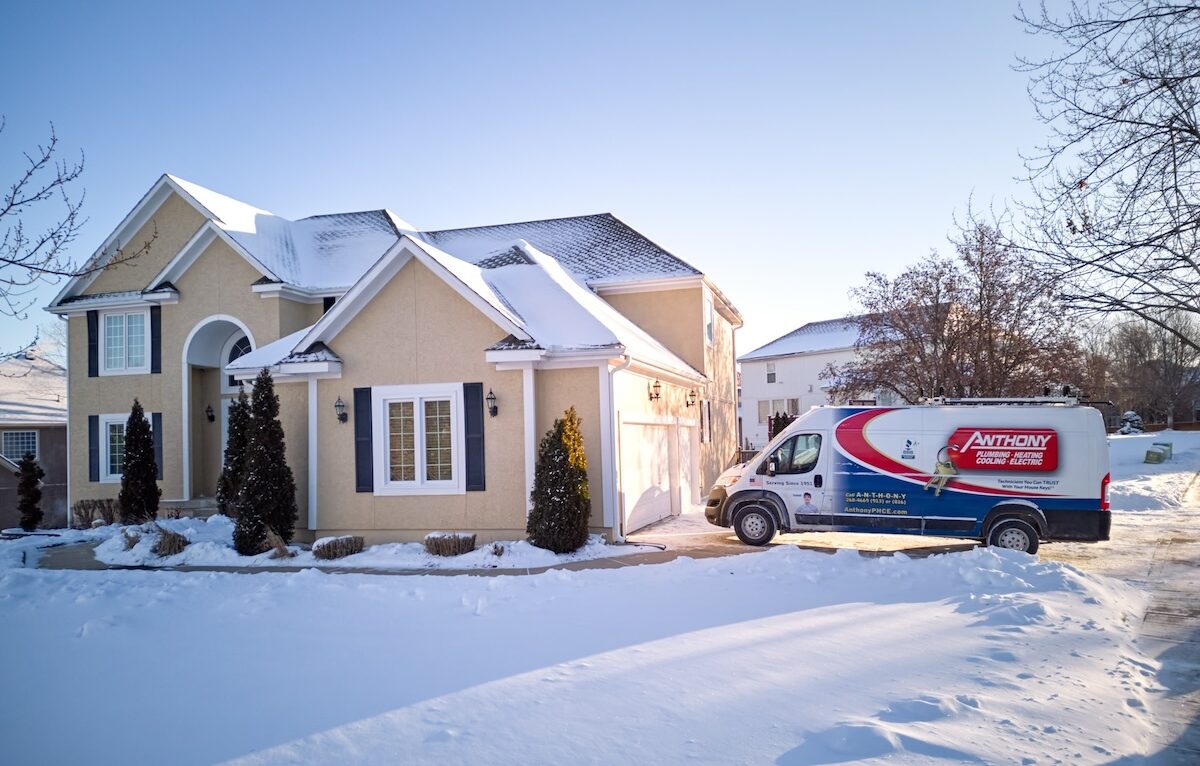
x: 339, y: 407
x: 491, y: 403
x: 654, y: 393
x: 691, y: 398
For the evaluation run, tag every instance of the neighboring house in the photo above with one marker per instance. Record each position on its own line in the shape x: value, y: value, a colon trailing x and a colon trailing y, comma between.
x: 417, y: 371
x: 33, y: 418
x: 784, y: 376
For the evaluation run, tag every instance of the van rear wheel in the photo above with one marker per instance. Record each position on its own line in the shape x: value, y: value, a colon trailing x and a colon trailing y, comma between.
x: 755, y: 525
x: 1014, y: 534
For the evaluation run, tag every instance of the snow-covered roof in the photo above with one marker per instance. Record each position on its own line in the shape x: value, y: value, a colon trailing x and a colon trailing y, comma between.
x: 33, y: 391
x: 315, y: 253
x: 811, y: 338
x: 529, y: 292
x: 592, y: 247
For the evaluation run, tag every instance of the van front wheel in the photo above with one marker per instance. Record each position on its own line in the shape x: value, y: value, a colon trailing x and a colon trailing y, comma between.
x: 755, y: 525
x: 1014, y: 534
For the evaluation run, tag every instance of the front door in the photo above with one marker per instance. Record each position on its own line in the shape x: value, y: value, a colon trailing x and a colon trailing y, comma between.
x: 797, y: 471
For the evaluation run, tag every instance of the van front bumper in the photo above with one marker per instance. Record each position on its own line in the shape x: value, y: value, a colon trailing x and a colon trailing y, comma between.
x: 714, y: 509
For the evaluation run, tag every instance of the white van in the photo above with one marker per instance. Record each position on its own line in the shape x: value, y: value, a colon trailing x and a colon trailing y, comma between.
x: 1008, y: 472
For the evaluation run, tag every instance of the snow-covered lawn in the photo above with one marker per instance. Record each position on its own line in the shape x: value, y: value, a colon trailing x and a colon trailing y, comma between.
x: 789, y: 655
x: 211, y: 544
x: 25, y: 551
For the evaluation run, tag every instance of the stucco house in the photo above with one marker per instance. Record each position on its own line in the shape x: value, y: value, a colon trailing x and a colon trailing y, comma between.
x: 416, y: 370
x: 33, y: 418
x: 784, y: 376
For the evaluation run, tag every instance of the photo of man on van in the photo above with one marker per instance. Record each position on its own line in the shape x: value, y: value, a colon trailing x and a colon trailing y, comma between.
x: 807, y: 506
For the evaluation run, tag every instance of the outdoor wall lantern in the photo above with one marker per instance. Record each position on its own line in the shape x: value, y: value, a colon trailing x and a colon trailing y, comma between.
x: 339, y: 407
x: 491, y: 403
x: 654, y: 393
x: 691, y: 398
x: 208, y: 412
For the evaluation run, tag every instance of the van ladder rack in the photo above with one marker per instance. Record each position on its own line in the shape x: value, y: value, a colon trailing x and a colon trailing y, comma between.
x: 1018, y: 400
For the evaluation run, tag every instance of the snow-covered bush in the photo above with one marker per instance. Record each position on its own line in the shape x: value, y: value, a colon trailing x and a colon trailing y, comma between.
x: 138, y: 500
x: 449, y: 543
x: 337, y: 547
x: 1131, y: 423
x: 561, y: 501
x: 29, y: 492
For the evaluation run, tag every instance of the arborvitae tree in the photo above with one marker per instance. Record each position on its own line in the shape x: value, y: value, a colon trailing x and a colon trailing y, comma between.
x: 268, y: 495
x: 138, y: 501
x: 561, y: 502
x: 777, y: 422
x: 233, y: 470
x: 29, y: 492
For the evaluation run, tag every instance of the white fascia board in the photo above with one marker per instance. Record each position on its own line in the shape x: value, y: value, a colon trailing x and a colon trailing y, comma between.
x: 72, y: 309
x: 646, y: 369
x: 141, y: 213
x: 619, y: 286
x: 724, y: 305
x: 498, y: 356
x: 187, y: 255
x: 298, y: 294
x: 291, y: 370
x: 472, y: 297
x: 748, y: 359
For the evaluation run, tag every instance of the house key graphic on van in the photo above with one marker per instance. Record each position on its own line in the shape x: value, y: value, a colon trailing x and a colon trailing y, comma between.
x: 943, y: 471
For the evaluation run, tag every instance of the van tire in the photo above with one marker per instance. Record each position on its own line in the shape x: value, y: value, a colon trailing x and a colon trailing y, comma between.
x: 755, y: 524
x: 1014, y: 534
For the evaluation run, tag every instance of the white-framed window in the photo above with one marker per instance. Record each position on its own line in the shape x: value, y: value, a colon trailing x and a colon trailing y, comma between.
x: 112, y: 446
x: 418, y: 439
x: 764, y: 411
x: 125, y: 342
x: 710, y: 326
x: 705, y: 421
x: 15, y: 444
x: 770, y: 372
x: 236, y: 347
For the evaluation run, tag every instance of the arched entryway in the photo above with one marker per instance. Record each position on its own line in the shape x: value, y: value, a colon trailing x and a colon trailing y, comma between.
x: 207, y: 391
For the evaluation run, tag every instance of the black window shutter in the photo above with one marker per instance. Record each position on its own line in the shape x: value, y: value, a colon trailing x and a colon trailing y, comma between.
x: 93, y: 446
x: 156, y: 427
x: 93, y: 327
x: 156, y: 344
x: 473, y: 428
x: 364, y: 474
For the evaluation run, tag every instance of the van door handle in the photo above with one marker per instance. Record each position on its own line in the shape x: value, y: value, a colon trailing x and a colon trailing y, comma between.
x: 817, y: 480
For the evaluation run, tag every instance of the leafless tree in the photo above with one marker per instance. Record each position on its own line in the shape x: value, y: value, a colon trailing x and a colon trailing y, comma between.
x: 985, y: 323
x: 35, y: 232
x: 1117, y: 208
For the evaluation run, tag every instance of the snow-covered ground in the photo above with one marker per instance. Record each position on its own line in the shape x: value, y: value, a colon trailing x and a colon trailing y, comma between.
x: 211, y: 544
x: 26, y: 551
x: 788, y: 656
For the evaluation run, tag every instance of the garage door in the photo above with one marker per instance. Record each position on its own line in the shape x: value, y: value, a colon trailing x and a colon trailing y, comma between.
x: 647, y: 488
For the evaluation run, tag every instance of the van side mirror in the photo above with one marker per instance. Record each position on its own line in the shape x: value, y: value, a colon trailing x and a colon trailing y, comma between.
x: 771, y: 468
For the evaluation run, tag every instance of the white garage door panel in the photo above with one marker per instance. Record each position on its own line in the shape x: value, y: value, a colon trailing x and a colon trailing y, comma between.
x: 646, y: 484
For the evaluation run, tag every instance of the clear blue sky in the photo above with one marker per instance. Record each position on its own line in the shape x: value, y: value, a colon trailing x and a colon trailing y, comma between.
x: 782, y: 148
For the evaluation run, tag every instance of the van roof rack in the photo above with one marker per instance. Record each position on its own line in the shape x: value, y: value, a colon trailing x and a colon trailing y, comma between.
x: 1019, y: 400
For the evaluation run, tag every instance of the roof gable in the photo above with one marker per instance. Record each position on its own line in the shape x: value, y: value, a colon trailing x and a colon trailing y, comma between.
x: 814, y: 337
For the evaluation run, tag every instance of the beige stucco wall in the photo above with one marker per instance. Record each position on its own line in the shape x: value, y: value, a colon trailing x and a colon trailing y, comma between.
x: 175, y: 222
x: 674, y: 317
x: 558, y: 390
x: 419, y: 330
x: 218, y: 283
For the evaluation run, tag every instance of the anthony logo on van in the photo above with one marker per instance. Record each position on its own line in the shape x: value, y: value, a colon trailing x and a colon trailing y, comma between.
x: 1004, y: 449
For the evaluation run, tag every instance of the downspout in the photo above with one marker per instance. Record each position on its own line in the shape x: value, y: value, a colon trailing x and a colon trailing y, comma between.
x: 613, y: 487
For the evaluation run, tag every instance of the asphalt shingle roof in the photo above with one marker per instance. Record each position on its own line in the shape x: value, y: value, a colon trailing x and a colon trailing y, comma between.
x: 594, y: 248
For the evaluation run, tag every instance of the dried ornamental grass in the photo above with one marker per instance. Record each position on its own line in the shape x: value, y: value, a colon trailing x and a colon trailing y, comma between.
x: 449, y: 543
x: 277, y: 546
x: 131, y: 539
x: 85, y: 513
x: 168, y: 543
x: 337, y: 547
